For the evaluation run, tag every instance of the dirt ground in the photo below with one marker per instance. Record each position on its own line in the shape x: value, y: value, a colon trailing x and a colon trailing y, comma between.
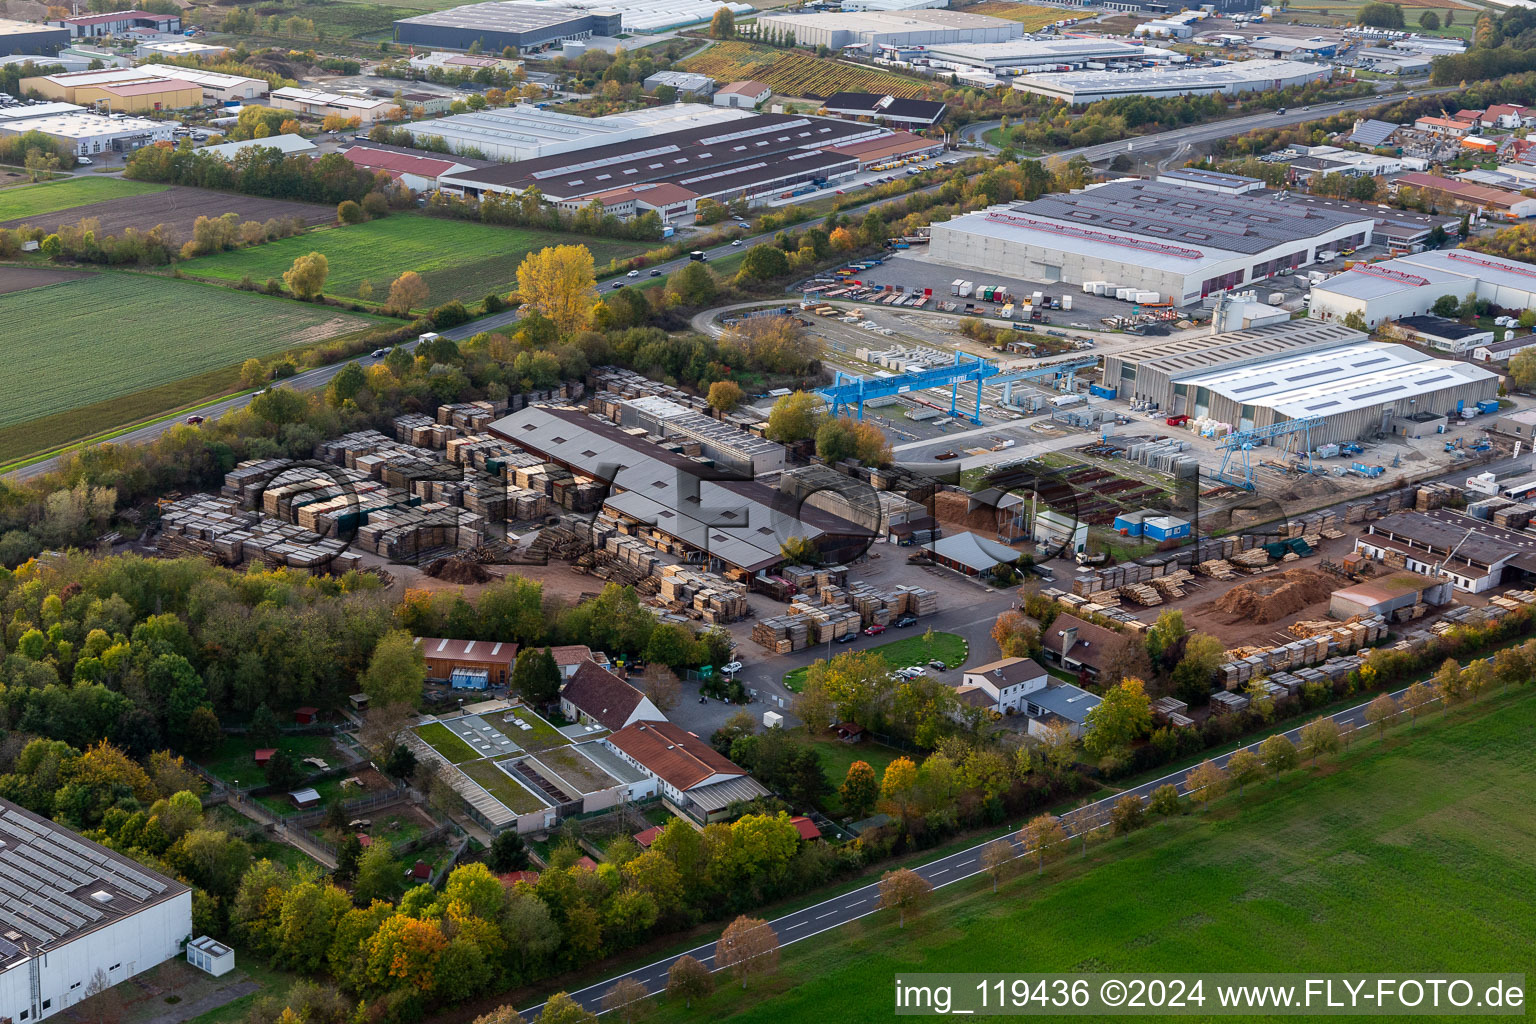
x: 19, y: 279
x: 178, y: 205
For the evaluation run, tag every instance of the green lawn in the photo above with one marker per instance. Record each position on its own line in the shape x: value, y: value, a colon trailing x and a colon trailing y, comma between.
x: 1409, y: 856
x: 111, y: 335
x: 462, y: 260
x: 496, y: 782
x: 540, y: 736
x: 446, y: 742
x: 911, y: 650
x: 233, y: 758
x: 836, y: 756
x: 53, y: 196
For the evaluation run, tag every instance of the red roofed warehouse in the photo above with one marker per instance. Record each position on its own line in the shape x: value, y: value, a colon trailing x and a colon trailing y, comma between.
x: 417, y: 173
x: 890, y: 150
x: 672, y: 203
x: 117, y: 23
x: 694, y: 779
x: 482, y: 662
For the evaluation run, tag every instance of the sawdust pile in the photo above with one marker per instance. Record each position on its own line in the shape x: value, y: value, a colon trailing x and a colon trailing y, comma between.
x: 1274, y: 596
x: 949, y: 507
x: 457, y: 570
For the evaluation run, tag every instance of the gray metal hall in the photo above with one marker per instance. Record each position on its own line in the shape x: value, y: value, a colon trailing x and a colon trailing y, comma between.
x: 1299, y: 369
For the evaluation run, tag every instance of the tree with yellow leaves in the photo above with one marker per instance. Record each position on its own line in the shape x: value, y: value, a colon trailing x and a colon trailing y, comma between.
x: 307, y: 275
x: 406, y: 293
x: 843, y: 241
x: 558, y: 281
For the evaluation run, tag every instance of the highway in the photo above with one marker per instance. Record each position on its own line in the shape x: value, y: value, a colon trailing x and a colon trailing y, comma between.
x: 859, y: 903
x: 318, y: 378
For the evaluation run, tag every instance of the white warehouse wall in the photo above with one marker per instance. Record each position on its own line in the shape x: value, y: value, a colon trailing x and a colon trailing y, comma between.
x: 134, y: 944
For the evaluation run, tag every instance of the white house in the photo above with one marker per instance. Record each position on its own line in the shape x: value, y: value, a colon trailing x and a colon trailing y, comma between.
x: 742, y: 94
x: 77, y: 915
x: 1002, y: 685
x: 209, y: 954
x: 594, y: 694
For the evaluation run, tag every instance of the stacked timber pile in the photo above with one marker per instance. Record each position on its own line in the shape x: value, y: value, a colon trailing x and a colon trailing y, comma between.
x: 1171, y: 711
x: 1224, y: 703
x: 360, y: 442
x: 1435, y: 495
x: 1381, y: 504
x: 469, y: 417
x: 1253, y: 558
x: 703, y: 595
x: 783, y: 634
x: 403, y: 533
x: 1172, y: 585
x: 218, y: 529
x: 1142, y: 594
x: 1217, y: 569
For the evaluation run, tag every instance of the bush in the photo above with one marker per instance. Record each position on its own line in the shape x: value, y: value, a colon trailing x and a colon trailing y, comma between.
x: 450, y: 314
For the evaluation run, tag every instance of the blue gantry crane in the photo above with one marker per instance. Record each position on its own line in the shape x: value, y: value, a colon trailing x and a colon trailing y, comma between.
x: 1064, y: 371
x: 852, y: 390
x: 1238, y: 444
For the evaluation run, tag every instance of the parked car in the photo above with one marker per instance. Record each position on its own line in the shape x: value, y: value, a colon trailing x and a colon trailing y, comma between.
x: 85, y: 161
x: 874, y: 630
x: 936, y: 663
x: 847, y: 638
x: 731, y: 667
x: 905, y: 621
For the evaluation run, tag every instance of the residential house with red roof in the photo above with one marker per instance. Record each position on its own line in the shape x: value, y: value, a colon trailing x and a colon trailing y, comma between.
x: 595, y: 695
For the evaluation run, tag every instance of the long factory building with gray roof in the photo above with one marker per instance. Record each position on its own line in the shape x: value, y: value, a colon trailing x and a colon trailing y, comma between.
x: 1296, y: 370
x: 1182, y: 243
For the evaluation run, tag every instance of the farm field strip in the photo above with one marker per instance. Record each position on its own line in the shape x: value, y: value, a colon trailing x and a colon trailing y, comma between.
x: 462, y: 260
x: 104, y: 336
x: 1032, y: 17
x: 24, y: 201
x: 797, y: 74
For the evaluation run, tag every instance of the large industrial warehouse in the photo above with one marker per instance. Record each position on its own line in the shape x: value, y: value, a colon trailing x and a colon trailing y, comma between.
x: 749, y: 157
x: 72, y: 910
x: 26, y: 37
x: 1024, y: 54
x: 737, y: 523
x: 1410, y: 285
x: 1078, y: 87
x: 525, y: 132
x: 1299, y: 369
x: 892, y: 28
x: 1182, y: 243
x: 496, y: 26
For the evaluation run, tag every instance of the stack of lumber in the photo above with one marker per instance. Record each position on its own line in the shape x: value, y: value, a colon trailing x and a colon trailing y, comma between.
x: 1141, y: 594
x: 1253, y: 558
x: 782, y: 633
x: 1217, y: 569
x: 702, y: 594
x: 1166, y: 710
x: 469, y: 417
x: 403, y: 532
x: 1225, y: 703
x: 1172, y: 585
x: 218, y: 529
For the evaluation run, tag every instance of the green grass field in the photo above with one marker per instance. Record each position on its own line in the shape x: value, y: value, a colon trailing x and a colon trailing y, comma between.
x: 912, y: 650
x: 540, y: 735
x: 446, y: 742
x: 836, y: 756
x: 1413, y: 855
x: 53, y: 196
x: 233, y: 758
x: 107, y: 336
x: 497, y: 783
x: 462, y: 260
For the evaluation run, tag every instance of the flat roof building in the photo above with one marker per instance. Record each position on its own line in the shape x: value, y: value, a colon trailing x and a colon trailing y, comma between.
x: 127, y: 90
x: 1410, y: 285
x: 498, y: 25
x: 1445, y: 335
x: 750, y: 156
x: 88, y: 134
x: 525, y: 132
x: 118, y: 23
x: 1210, y: 181
x: 73, y: 909
x: 287, y: 144
x: 871, y: 29
x: 317, y: 103
x: 1443, y: 544
x: 685, y: 82
x: 1024, y: 54
x: 729, y: 446
x: 1182, y: 243
x: 1401, y: 229
x: 217, y: 87
x: 28, y: 37
x: 1079, y: 87
x: 160, y: 49
x: 918, y: 114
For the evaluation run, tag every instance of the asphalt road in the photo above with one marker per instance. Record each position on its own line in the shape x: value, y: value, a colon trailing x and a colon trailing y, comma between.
x: 860, y: 903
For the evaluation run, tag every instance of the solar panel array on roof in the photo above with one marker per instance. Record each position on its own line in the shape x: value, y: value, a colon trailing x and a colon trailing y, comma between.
x: 1372, y: 132
x: 54, y: 885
